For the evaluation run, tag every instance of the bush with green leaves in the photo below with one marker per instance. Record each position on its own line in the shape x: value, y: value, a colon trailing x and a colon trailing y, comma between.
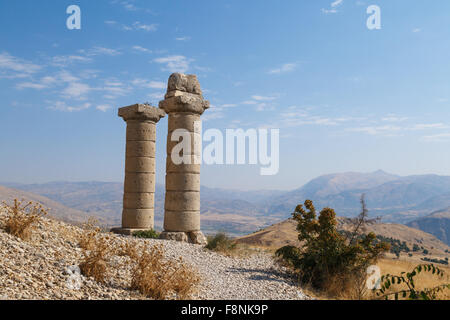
x: 328, y: 256
x: 407, y: 278
x: 220, y: 242
x: 146, y: 234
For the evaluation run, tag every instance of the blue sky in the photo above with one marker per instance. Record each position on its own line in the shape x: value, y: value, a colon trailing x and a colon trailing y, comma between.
x: 345, y: 98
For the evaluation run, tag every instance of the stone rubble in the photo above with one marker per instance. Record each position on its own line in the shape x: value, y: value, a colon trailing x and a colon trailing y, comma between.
x: 44, y: 268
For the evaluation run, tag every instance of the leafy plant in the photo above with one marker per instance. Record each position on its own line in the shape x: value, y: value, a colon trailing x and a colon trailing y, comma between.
x: 408, y: 279
x: 146, y: 234
x: 328, y: 258
x: 220, y: 242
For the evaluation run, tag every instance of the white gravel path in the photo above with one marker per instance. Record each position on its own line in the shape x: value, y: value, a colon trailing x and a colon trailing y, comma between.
x: 38, y: 269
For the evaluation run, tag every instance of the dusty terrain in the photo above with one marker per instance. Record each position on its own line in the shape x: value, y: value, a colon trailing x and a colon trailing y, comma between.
x: 42, y: 269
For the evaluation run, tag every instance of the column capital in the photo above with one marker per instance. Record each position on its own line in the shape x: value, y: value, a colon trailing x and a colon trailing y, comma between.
x: 141, y: 112
x: 184, y: 103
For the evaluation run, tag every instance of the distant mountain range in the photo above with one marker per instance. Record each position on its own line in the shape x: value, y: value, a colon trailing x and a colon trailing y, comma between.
x: 394, y: 198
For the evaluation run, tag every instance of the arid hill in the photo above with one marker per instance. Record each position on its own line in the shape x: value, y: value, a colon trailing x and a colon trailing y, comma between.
x: 57, y: 210
x: 284, y: 233
x: 437, y: 223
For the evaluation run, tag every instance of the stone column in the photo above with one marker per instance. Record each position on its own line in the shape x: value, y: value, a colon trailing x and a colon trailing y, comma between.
x: 184, y: 104
x: 139, y: 186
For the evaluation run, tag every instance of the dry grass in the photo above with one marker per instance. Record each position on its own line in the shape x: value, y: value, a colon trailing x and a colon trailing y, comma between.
x: 88, y: 238
x: 423, y: 280
x: 97, y: 250
x: 22, y: 218
x: 160, y: 278
x: 356, y: 290
x: 96, y: 260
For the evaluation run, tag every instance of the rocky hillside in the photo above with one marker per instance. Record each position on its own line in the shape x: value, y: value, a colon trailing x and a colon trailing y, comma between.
x: 43, y: 267
x: 437, y: 223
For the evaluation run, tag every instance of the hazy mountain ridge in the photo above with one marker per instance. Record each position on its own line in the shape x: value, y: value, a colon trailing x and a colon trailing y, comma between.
x: 437, y: 223
x: 397, y: 199
x: 394, y: 198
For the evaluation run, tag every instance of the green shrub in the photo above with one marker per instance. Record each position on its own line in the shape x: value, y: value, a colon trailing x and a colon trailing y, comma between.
x: 147, y: 234
x: 328, y: 258
x: 220, y: 242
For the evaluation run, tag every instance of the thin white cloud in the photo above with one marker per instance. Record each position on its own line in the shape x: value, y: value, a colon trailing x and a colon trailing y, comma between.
x: 62, y: 106
x: 386, y: 130
x: 183, y: 38
x: 263, y: 98
x: 100, y: 51
x: 13, y: 67
x: 394, y: 118
x: 145, y: 27
x: 31, y: 85
x: 142, y: 49
x: 287, y: 67
x: 103, y: 107
x: 174, y: 63
x: 436, y: 137
x: 149, y: 84
x: 156, y: 95
x: 63, y: 61
x: 76, y: 90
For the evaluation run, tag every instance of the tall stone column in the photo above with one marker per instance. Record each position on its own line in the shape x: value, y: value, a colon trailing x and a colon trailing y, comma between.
x: 184, y: 104
x: 139, y: 186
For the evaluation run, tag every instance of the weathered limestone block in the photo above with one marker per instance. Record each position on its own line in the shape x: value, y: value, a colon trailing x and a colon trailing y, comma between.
x: 141, y: 219
x: 183, y: 82
x: 182, y: 200
x: 197, y: 237
x: 185, y: 121
x: 140, y: 164
x: 139, y: 200
x: 176, y: 236
x: 183, y: 182
x: 178, y: 220
x: 140, y: 130
x: 139, y: 184
x: 141, y: 148
x: 184, y: 104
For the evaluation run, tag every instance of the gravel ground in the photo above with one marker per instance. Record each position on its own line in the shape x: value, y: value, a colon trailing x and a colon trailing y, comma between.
x: 45, y: 268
